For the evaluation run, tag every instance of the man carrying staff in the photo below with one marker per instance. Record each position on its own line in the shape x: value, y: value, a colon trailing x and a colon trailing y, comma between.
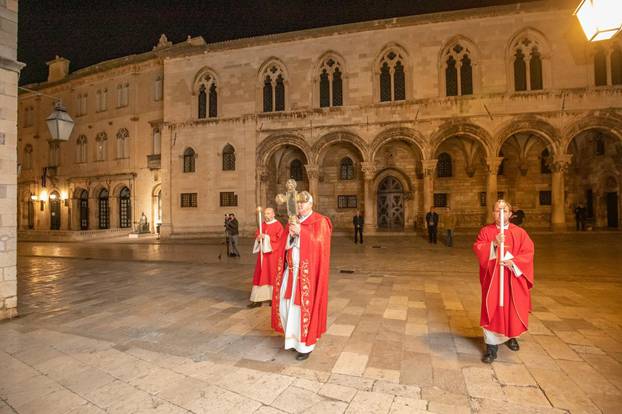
x: 269, y: 243
x: 506, y: 297
x: 299, y: 302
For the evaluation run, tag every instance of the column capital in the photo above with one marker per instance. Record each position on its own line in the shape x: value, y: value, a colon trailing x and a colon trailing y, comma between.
x: 313, y: 171
x: 428, y: 166
x: 369, y: 170
x: 561, y: 163
x: 492, y: 164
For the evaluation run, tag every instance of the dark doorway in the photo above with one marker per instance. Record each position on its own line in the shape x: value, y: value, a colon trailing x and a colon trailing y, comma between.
x: 391, y: 204
x: 125, y: 209
x: 612, y: 210
x: 104, y: 216
x: 589, y: 203
x: 54, y: 211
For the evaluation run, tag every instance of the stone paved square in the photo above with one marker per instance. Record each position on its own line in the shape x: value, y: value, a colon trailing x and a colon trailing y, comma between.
x: 163, y: 328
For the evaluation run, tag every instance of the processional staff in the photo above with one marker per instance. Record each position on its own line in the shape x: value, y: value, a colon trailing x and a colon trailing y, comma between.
x: 259, y: 223
x: 501, y: 253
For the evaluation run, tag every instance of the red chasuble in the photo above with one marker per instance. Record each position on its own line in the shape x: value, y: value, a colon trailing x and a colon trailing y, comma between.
x: 272, y: 262
x: 311, y: 292
x: 512, y: 319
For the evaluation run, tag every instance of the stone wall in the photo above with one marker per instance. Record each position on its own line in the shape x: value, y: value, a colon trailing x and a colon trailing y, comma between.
x: 9, y: 74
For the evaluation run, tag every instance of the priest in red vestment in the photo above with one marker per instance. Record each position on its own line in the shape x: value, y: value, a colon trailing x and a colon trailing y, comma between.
x: 503, y: 324
x: 300, y: 299
x: 269, y: 246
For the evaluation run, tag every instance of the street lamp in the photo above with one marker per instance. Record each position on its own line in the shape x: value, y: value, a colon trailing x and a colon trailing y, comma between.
x: 59, y: 122
x: 600, y: 19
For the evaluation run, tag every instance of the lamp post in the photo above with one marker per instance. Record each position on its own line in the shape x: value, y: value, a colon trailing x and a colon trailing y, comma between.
x: 600, y: 19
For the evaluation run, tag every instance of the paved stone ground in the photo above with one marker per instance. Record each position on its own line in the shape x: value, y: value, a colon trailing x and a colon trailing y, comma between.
x: 163, y: 328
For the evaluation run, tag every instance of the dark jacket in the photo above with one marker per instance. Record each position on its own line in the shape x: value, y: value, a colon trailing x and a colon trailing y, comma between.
x: 358, y: 221
x: 434, y: 218
x: 232, y: 227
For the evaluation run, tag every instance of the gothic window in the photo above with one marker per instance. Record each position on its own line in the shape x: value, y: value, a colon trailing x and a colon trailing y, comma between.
x: 273, y: 89
x: 616, y: 66
x: 54, y: 155
x: 600, y: 67
x: 189, y: 160
x: 458, y: 71
x: 123, y: 137
x: 228, y: 158
x: 103, y: 208
x: 81, y: 149
x: 207, y: 96
x: 295, y: 170
x: 451, y: 77
x: 392, y: 77
x: 443, y: 167
x: 346, y: 169
x: 527, y: 55
x: 520, y: 71
x: 157, y: 141
x: 100, y: 146
x: 27, y: 161
x: 125, y: 209
x: 535, y: 69
x: 545, y: 162
x: 331, y: 88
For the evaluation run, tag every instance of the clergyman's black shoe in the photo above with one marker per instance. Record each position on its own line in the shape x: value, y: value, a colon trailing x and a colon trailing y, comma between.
x: 302, y: 356
x: 253, y: 305
x: 491, y: 354
x: 513, y: 344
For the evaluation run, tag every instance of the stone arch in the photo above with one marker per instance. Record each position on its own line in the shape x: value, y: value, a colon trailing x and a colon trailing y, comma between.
x: 117, y: 189
x: 406, y: 181
x: 452, y: 129
x: 77, y: 192
x: 531, y: 124
x: 610, y: 123
x: 269, y: 145
x: 319, y: 149
x: 408, y: 135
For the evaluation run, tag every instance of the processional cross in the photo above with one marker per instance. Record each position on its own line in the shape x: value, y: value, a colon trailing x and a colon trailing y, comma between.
x: 289, y: 198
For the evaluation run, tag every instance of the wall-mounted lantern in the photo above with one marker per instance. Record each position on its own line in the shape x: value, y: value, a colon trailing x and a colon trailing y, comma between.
x: 600, y: 19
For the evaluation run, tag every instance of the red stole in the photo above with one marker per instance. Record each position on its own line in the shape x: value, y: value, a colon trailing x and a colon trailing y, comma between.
x: 512, y: 319
x: 311, y: 292
x: 265, y: 273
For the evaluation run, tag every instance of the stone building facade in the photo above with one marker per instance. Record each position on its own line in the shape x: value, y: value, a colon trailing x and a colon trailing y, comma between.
x: 9, y: 74
x: 390, y: 117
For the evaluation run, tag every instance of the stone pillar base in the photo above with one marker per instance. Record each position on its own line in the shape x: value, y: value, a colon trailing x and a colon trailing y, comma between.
x: 559, y: 227
x: 8, y: 313
x: 165, y: 231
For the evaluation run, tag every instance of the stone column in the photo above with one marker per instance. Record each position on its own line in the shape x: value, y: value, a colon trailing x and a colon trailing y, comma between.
x: 167, y: 170
x: 429, y: 168
x: 369, y: 173
x: 492, y: 164
x: 313, y: 173
x: 559, y: 166
x: 9, y: 74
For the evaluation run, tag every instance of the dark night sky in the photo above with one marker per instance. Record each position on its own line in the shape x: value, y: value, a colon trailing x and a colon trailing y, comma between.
x: 87, y: 32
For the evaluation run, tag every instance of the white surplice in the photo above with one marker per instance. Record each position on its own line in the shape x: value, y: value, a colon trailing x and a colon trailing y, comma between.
x: 290, y: 312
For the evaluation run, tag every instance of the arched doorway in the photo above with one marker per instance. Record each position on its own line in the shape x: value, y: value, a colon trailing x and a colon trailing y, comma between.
x: 104, y: 210
x: 390, y: 206
x: 84, y: 210
x: 611, y: 201
x: 156, y: 208
x: 125, y: 210
x: 55, y: 211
